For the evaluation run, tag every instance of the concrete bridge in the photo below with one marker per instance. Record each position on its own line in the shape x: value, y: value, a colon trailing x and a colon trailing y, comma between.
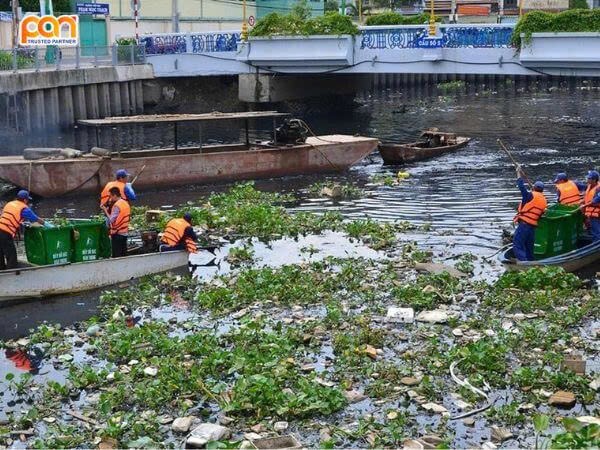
x: 457, y: 51
x: 282, y: 68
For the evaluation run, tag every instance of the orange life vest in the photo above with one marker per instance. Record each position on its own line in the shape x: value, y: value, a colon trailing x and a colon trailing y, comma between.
x: 174, y: 232
x: 531, y: 211
x: 10, y: 220
x: 121, y: 224
x: 591, y: 211
x: 569, y: 193
x: 105, y: 195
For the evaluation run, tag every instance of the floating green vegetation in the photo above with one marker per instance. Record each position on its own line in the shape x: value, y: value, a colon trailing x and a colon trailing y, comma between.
x: 288, y: 285
x: 305, y: 343
x: 244, y: 211
x: 451, y: 86
x: 346, y: 190
x: 384, y: 179
x: 428, y: 291
x: 240, y: 255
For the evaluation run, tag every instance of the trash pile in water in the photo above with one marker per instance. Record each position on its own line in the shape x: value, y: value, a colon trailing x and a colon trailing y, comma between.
x: 338, y: 352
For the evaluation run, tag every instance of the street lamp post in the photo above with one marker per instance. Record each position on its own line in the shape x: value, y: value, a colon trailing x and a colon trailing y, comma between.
x: 244, y: 34
x: 15, y: 24
x: 432, y: 27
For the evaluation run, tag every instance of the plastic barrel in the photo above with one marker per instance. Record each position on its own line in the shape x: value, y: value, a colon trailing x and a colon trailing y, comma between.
x: 87, y: 240
x: 45, y: 246
x: 558, y: 231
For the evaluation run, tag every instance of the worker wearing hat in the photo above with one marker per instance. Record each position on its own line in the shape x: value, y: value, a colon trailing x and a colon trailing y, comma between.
x: 179, y: 235
x: 569, y: 191
x: 13, y: 215
x: 532, y: 207
x: 125, y: 188
x: 591, y: 204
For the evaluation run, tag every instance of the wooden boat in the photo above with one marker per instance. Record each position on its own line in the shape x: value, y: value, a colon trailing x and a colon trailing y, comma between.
x: 587, y: 253
x: 168, y: 167
x: 435, y: 143
x: 43, y: 281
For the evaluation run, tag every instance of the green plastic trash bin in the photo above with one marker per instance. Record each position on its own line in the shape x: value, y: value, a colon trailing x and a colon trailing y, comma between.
x: 558, y: 231
x: 88, y: 237
x: 45, y: 246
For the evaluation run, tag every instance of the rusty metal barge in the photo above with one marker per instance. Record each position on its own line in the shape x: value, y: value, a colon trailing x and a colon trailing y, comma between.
x: 167, y: 167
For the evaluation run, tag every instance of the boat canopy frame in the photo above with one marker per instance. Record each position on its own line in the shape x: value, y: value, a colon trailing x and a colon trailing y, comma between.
x: 175, y: 119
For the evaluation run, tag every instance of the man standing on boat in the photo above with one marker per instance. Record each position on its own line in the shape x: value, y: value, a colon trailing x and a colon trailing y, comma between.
x: 179, y: 235
x: 569, y: 191
x: 118, y: 222
x: 532, y: 206
x: 13, y: 215
x: 591, y: 205
x: 125, y: 188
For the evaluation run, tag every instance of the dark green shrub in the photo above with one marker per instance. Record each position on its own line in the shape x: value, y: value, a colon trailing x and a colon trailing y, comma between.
x: 331, y: 23
x: 578, y: 4
x: 332, y: 6
x: 575, y: 20
x: 24, y: 60
x: 124, y: 48
x: 393, y: 18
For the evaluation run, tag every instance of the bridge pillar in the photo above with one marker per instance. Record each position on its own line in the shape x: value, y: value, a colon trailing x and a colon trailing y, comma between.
x: 265, y: 88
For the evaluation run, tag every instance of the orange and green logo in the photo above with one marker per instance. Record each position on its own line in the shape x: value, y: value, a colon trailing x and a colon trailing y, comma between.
x: 49, y: 30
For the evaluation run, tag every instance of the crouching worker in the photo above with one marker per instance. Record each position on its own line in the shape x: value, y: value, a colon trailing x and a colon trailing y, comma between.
x: 118, y: 214
x: 179, y: 235
x: 532, y: 207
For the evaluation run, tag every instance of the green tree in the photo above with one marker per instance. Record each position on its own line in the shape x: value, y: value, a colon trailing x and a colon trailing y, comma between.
x: 578, y: 4
x: 332, y: 5
x: 302, y: 10
x: 34, y: 5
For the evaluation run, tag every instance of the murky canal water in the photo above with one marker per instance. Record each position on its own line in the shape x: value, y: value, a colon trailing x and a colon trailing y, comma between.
x: 467, y: 197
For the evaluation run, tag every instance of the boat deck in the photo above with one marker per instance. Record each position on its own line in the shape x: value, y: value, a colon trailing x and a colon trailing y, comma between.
x: 314, y: 141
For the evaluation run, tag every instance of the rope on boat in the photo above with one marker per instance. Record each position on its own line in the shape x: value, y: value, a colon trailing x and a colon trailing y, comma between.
x: 309, y: 130
x: 88, y: 179
x: 466, y: 384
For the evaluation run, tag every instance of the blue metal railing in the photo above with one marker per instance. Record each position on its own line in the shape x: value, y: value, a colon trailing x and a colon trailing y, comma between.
x: 211, y: 42
x: 380, y: 37
x: 450, y: 36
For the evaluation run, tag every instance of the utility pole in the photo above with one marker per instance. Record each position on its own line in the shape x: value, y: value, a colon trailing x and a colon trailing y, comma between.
x: 175, y: 15
x: 15, y: 23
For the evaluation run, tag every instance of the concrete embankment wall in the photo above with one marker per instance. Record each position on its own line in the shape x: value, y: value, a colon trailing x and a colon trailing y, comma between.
x: 490, y: 82
x: 50, y: 99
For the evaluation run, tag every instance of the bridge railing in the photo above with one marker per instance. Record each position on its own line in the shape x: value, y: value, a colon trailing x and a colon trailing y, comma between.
x: 208, y: 42
x: 55, y: 58
x: 373, y: 37
x: 449, y: 36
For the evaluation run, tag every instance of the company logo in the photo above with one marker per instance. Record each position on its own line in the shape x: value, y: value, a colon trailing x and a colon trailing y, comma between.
x: 49, y: 30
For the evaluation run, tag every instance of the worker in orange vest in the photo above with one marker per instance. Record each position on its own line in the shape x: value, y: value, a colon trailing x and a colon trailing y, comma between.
x: 569, y: 191
x: 532, y: 207
x: 13, y: 215
x: 125, y: 188
x: 591, y: 204
x: 179, y: 235
x: 118, y: 217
